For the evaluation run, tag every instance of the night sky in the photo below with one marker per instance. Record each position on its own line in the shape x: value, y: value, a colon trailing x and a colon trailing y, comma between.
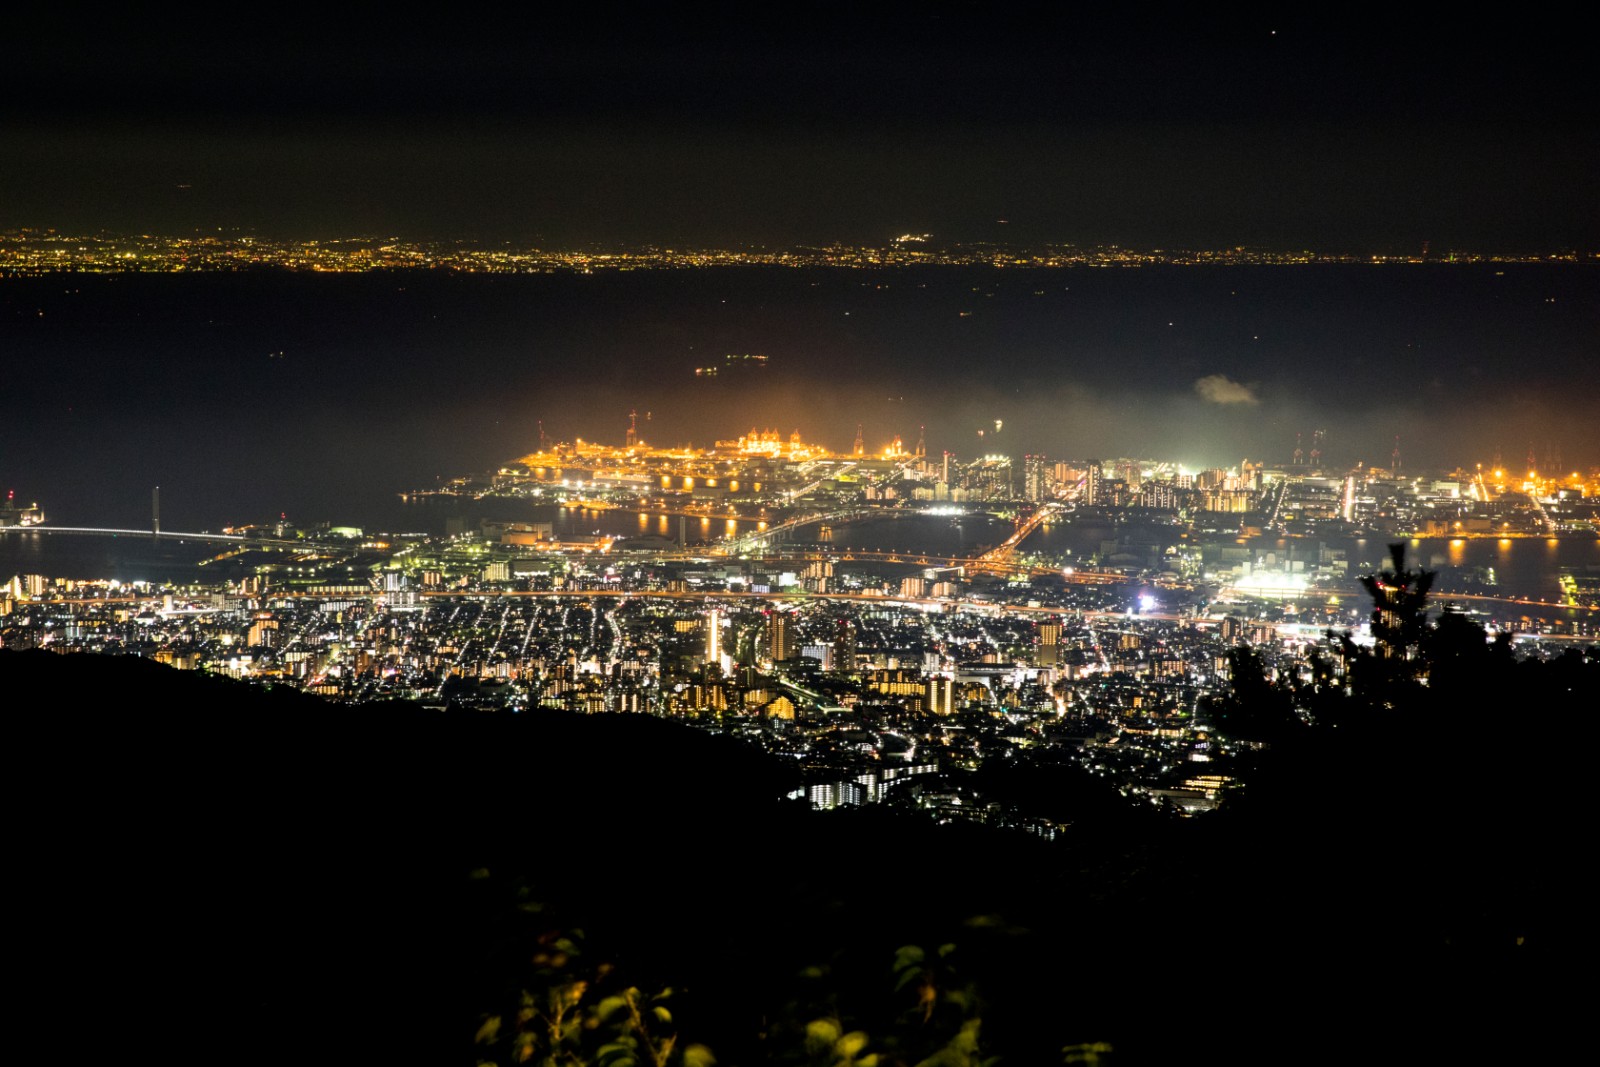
x: 822, y: 124
x: 817, y: 123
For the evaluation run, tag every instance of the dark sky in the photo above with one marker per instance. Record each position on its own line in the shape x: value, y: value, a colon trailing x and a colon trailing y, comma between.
x: 817, y: 123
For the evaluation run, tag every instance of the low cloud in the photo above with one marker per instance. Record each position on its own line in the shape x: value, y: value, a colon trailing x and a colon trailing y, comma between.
x: 1220, y: 389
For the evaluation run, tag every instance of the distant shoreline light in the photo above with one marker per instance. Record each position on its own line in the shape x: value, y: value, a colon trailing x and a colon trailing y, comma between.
x: 35, y: 251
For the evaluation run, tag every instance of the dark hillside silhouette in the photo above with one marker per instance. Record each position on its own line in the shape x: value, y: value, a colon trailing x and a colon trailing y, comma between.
x: 243, y: 875
x: 247, y: 875
x: 1425, y: 828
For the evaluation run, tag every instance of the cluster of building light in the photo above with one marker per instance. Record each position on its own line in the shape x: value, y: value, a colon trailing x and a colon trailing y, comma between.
x: 35, y: 251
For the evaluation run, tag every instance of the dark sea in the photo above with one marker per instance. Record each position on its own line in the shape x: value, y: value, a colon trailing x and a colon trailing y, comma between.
x: 1519, y: 567
x: 323, y: 397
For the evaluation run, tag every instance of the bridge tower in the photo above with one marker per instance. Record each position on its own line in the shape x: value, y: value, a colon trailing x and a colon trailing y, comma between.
x: 860, y: 448
x: 155, y: 511
x: 633, y: 429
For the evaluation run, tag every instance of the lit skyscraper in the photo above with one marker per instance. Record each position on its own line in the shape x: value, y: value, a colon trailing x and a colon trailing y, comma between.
x: 714, y: 637
x: 780, y: 636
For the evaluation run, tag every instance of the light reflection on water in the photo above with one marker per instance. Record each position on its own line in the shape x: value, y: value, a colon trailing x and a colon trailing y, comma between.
x: 1523, y: 566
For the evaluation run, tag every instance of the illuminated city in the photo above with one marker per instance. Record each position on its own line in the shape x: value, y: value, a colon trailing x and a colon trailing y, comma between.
x: 873, y: 537
x: 34, y: 252
x: 714, y: 585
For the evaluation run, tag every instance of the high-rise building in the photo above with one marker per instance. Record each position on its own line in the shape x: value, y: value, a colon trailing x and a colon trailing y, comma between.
x: 1158, y: 495
x: 988, y: 478
x: 263, y: 632
x: 823, y: 654
x: 780, y: 636
x: 1036, y: 478
x: 941, y: 696
x: 714, y: 637
x: 1049, y: 643
x: 844, y: 647
x: 1094, y: 484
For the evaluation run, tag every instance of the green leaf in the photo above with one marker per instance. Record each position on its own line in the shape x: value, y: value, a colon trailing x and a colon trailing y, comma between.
x: 609, y: 1007
x: 945, y: 950
x: 850, y: 1044
x: 908, y: 956
x: 1089, y: 1052
x: 663, y: 1014
x: 698, y: 1056
x: 489, y: 1031
x: 821, y: 1034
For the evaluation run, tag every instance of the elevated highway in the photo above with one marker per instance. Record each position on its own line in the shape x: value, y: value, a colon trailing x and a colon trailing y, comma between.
x: 167, y: 535
x: 179, y: 536
x: 925, y: 559
x: 1000, y: 555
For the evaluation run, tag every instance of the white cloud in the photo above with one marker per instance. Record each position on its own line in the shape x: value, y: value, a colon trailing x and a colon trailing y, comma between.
x: 1220, y: 389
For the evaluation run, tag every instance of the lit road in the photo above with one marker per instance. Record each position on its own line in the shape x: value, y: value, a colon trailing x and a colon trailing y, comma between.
x: 798, y: 521
x: 1544, y: 516
x: 1001, y: 553
x: 1443, y: 598
x: 169, y: 535
x: 796, y: 494
x: 922, y: 559
x: 662, y: 594
x: 971, y: 606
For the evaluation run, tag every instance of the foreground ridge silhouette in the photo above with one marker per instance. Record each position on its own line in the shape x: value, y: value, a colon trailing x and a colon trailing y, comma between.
x: 260, y: 874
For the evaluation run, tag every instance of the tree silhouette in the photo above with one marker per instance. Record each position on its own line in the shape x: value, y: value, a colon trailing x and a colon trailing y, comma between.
x: 1387, y: 676
x: 1399, y: 606
x: 1255, y: 709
